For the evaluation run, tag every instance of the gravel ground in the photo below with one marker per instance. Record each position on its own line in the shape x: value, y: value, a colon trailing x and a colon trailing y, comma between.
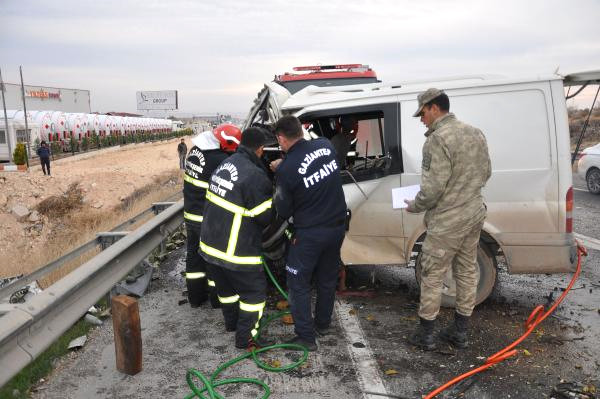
x: 176, y: 338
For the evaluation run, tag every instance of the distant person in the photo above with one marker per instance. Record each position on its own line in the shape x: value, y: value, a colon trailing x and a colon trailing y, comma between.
x: 343, y: 139
x: 43, y: 152
x: 182, y: 151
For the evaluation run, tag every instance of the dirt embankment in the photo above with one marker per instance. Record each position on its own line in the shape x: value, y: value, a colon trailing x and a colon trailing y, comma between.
x: 577, y: 120
x: 43, y: 217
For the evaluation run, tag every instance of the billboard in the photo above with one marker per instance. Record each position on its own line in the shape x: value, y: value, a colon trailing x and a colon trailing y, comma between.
x: 166, y: 99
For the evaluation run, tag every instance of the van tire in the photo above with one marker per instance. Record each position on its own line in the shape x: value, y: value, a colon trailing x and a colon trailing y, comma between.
x: 592, y: 178
x: 487, y: 277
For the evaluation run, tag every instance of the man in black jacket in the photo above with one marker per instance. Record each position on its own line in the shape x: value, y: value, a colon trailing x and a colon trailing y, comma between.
x: 44, y: 153
x: 210, y: 149
x: 309, y: 188
x: 238, y: 207
x: 181, y: 151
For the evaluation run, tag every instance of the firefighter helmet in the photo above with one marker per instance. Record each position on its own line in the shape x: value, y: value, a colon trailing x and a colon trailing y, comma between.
x: 229, y: 136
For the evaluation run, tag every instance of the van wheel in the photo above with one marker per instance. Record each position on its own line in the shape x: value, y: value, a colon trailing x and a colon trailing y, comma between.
x: 593, y: 181
x: 487, y: 277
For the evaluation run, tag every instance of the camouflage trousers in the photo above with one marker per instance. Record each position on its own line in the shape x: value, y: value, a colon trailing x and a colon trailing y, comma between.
x: 439, y: 253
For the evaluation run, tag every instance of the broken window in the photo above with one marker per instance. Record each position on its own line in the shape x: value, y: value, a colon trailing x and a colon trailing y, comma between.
x: 357, y: 139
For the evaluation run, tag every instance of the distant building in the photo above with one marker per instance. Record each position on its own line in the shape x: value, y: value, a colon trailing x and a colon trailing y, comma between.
x: 44, y: 98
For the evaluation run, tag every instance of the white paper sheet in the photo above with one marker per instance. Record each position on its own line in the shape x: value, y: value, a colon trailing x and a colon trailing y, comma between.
x: 401, y: 193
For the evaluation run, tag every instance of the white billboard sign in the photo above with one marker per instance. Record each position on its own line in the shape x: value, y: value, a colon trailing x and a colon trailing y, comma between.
x: 157, y: 99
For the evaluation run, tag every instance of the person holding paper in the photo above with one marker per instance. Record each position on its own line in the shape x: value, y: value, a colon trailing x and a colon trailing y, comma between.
x: 455, y: 167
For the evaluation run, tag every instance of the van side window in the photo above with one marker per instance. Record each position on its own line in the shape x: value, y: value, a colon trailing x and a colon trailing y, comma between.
x: 2, y: 137
x: 357, y: 139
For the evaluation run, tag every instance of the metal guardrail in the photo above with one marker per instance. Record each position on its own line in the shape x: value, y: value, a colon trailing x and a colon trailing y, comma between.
x: 27, y: 329
x: 102, y: 239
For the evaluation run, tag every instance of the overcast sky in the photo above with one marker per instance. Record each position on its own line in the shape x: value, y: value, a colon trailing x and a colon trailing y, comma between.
x: 218, y: 53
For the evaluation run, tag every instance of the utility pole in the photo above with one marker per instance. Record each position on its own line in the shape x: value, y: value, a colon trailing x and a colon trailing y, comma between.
x: 2, y: 89
x: 25, y: 115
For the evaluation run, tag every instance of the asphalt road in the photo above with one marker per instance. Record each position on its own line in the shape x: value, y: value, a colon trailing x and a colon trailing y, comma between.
x: 367, y: 350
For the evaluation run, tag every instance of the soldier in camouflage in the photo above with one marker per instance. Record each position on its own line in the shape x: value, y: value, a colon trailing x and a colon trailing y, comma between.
x: 456, y: 165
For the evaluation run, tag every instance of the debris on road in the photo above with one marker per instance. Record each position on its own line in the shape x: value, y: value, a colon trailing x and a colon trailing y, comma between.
x: 23, y: 294
x: 574, y: 390
x: 137, y: 281
x: 92, y: 320
x: 77, y: 343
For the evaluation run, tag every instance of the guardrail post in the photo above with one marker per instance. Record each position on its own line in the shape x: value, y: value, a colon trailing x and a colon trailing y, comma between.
x: 107, y: 239
x: 163, y: 245
x: 158, y: 207
x: 128, y: 334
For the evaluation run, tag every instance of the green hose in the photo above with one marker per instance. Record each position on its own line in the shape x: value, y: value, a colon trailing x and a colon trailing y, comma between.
x: 212, y: 383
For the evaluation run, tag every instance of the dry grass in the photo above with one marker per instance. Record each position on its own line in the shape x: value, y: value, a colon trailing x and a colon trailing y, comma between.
x: 57, y: 206
x: 81, y: 225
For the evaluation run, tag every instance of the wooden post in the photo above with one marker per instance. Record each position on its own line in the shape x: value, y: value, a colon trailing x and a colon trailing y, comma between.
x: 128, y: 334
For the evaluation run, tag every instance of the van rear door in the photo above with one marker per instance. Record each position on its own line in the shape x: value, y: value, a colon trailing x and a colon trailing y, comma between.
x: 582, y: 78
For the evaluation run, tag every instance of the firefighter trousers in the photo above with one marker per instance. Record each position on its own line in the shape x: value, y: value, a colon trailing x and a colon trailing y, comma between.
x: 314, y: 252
x: 196, y: 274
x: 242, y: 295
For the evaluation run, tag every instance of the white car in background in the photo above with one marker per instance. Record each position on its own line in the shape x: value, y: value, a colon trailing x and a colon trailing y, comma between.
x: 589, y: 168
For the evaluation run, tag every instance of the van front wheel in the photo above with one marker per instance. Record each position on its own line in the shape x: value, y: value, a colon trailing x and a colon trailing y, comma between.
x: 487, y: 277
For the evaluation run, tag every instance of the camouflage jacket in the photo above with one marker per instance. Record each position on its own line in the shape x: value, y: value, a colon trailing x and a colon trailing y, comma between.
x: 456, y: 165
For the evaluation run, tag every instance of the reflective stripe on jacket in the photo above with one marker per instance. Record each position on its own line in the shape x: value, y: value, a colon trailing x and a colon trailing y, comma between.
x: 199, y: 165
x: 238, y: 207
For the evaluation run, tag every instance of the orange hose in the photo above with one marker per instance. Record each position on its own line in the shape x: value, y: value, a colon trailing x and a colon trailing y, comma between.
x: 534, y: 319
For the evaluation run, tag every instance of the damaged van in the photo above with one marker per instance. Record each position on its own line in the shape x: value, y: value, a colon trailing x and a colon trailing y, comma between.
x: 529, y: 196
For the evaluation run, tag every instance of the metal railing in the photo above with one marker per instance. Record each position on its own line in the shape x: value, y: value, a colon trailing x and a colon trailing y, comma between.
x: 27, y: 329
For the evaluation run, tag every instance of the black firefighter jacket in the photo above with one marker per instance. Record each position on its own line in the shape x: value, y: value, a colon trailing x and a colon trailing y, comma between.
x: 238, y: 207
x: 199, y: 166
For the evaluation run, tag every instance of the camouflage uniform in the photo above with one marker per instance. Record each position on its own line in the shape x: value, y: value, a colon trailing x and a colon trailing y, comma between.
x: 456, y: 166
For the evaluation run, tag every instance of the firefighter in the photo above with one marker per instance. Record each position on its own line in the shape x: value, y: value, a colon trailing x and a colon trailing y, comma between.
x: 210, y: 149
x: 238, y: 207
x: 309, y: 188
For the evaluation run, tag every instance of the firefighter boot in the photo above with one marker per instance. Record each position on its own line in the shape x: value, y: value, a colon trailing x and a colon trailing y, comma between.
x: 196, y: 289
x: 456, y: 334
x: 253, y: 343
x: 214, y: 299
x: 423, y: 336
x: 230, y: 314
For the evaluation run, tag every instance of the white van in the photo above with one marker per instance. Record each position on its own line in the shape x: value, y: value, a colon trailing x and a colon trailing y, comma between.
x: 529, y: 195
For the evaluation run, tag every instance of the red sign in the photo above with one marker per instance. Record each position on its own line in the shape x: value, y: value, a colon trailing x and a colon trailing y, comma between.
x: 41, y: 93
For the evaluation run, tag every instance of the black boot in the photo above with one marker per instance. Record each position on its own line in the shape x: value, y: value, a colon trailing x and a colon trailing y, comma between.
x: 423, y: 337
x: 214, y: 300
x: 230, y: 315
x: 456, y: 334
x: 197, y: 294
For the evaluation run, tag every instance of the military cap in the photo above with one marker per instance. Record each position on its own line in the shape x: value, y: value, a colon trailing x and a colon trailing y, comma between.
x: 426, y: 97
